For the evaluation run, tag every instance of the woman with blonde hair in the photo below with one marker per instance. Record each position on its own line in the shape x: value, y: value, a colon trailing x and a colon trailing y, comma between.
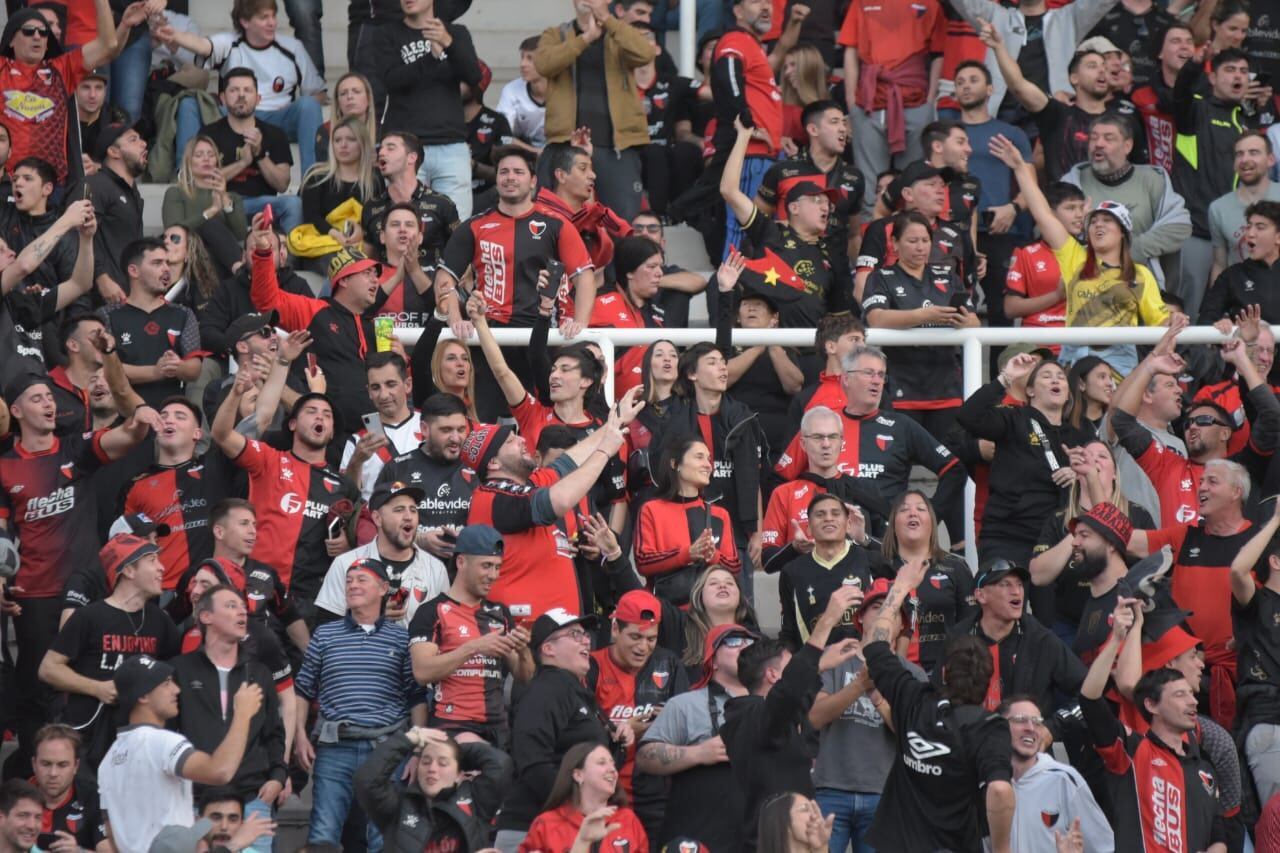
x: 191, y: 269
x: 1055, y: 565
x: 200, y: 202
x: 716, y: 599
x: 804, y: 80
x: 346, y: 174
x: 352, y: 97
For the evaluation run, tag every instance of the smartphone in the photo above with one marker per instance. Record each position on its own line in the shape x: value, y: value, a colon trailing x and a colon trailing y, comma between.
x: 1262, y: 78
x: 959, y: 300
x: 87, y: 194
x: 373, y: 423
x: 268, y: 217
x: 555, y: 272
x: 45, y: 840
x: 311, y: 362
x: 349, y: 229
x: 335, y: 528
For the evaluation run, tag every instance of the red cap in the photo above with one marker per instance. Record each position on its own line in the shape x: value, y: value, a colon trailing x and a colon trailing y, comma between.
x: 121, y: 550
x: 1109, y: 521
x: 1170, y: 644
x: 714, y: 638
x: 481, y: 444
x: 638, y: 607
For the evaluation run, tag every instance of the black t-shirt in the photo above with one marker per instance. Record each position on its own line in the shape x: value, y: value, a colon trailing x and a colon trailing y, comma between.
x: 144, y: 336
x: 485, y: 130
x: 26, y: 312
x: 760, y: 389
x: 275, y: 146
x: 1258, y: 644
x: 99, y: 637
x: 1139, y: 36
x: 593, y: 94
x: 668, y: 101
x: 1032, y: 61
x: 1064, y: 132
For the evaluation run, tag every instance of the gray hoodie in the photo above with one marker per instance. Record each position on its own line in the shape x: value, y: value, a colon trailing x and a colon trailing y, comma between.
x: 1050, y: 796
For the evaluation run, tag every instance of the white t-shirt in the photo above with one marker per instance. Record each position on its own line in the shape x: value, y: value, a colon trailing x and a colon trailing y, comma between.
x: 401, y: 438
x: 161, y: 54
x: 527, y: 118
x: 140, y: 788
x: 284, y: 70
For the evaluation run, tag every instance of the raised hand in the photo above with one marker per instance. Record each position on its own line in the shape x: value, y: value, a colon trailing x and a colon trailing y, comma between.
x: 730, y: 270
x: 630, y: 405
x: 1005, y: 151
x: 1019, y: 367
x: 292, y: 347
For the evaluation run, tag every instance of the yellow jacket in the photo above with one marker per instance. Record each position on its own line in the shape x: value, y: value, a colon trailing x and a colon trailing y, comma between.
x: 625, y: 49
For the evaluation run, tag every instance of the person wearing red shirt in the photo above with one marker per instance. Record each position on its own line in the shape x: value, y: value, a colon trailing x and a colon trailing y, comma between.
x: 571, y: 196
x: 744, y: 87
x: 586, y: 809
x: 1034, y: 289
x: 1201, y: 576
x: 892, y: 64
x: 1155, y: 100
x: 39, y: 81
x: 632, y: 305
x: 533, y: 509
x: 633, y: 679
x: 1230, y: 393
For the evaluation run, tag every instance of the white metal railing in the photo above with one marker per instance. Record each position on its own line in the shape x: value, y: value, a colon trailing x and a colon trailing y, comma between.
x: 972, y: 342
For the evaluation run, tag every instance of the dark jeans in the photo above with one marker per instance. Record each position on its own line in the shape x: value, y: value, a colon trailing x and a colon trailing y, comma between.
x: 669, y: 169
x: 34, y: 701
x: 618, y: 180
x: 304, y: 17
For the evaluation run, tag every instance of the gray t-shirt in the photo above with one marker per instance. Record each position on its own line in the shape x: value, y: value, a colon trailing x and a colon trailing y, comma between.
x: 856, y: 751
x: 686, y: 719
x: 1226, y: 223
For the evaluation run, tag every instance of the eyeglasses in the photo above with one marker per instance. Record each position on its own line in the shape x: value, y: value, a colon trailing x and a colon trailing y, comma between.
x: 869, y: 373
x: 1023, y: 719
x: 577, y: 635
x: 736, y: 642
x: 1206, y: 421
x: 264, y: 332
x: 32, y: 32
x: 648, y: 229
x: 824, y: 437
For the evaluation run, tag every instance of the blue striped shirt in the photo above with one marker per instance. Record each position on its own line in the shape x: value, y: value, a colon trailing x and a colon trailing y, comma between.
x: 360, y: 677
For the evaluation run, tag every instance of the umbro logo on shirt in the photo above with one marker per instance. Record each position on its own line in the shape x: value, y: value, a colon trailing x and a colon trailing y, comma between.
x: 922, y: 748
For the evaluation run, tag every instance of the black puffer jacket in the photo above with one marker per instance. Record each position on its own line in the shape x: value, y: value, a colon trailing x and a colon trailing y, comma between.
x: 407, y: 818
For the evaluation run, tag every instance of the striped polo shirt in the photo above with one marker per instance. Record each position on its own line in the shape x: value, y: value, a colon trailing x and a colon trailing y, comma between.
x: 360, y: 677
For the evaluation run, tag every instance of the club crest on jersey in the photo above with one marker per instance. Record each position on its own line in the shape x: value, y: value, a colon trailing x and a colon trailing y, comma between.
x: 882, y: 441
x: 68, y: 469
x: 152, y: 328
x: 173, y: 336
x: 1049, y: 819
x: 330, y: 485
x: 660, y: 679
x: 1210, y: 787
x: 537, y: 228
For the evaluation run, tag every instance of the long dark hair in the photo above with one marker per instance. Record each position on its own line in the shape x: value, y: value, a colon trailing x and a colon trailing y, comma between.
x: 565, y: 790
x: 593, y: 397
x: 889, y: 545
x: 665, y: 478
x: 1093, y: 267
x: 689, y: 364
x: 774, y: 834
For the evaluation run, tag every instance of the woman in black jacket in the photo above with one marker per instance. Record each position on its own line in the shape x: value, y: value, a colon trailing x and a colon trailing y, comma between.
x: 441, y: 807
x: 1030, y: 472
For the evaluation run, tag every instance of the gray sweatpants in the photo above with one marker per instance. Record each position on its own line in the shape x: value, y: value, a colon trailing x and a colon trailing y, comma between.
x: 1190, y: 278
x: 871, y: 144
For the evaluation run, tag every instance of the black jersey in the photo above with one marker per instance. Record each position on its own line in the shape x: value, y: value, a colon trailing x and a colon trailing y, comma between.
x: 143, y: 336
x: 447, y: 487
x: 805, y: 280
x: 436, y: 213
x: 488, y: 128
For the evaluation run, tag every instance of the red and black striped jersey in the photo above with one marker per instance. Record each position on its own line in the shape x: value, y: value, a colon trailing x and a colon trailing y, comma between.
x: 48, y: 499
x: 72, y: 401
x: 472, y: 693
x: 293, y: 499
x: 507, y: 253
x: 180, y: 496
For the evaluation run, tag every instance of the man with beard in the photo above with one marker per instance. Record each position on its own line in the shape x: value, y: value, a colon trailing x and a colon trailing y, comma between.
x: 1160, y: 218
x: 214, y: 672
x: 159, y: 342
x: 466, y: 645
x: 20, y: 810
x: 1064, y: 127
x: 297, y: 495
x: 399, y: 156
x: 415, y: 576
x: 230, y: 831
x: 1052, y: 798
x: 70, y: 797
x: 340, y: 326
x: 116, y: 200
x: 1155, y: 99
x: 1254, y: 160
x: 256, y: 159
x: 436, y: 468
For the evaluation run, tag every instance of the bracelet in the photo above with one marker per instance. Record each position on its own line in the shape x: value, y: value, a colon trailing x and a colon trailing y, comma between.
x: 607, y: 455
x: 283, y: 362
x: 609, y: 558
x: 111, y: 351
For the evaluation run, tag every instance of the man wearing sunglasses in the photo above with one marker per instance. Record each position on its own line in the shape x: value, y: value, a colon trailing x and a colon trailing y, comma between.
x: 39, y: 80
x: 1052, y: 796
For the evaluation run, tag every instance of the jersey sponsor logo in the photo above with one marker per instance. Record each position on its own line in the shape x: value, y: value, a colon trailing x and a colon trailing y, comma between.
x: 1166, y: 815
x: 493, y: 261
x: 290, y: 503
x: 922, y: 749
x: 883, y: 421
x: 16, y: 489
x: 28, y: 105
x: 59, y: 501
x: 627, y: 712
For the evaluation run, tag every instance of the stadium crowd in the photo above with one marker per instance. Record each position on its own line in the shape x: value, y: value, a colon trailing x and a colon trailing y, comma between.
x: 251, y: 546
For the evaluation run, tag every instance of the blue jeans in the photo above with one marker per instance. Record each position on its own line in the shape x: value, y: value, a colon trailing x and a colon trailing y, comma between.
x: 287, y: 209
x: 853, y: 813
x: 1122, y: 358
x: 304, y: 17
x: 129, y: 73
x: 753, y: 170
x: 263, y: 843
x: 301, y: 120
x: 336, y: 765
x: 447, y: 170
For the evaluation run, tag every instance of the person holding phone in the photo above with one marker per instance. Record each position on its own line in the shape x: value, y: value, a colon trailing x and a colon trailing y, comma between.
x: 913, y: 293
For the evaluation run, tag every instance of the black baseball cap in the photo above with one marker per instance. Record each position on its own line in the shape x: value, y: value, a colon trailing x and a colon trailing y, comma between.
x: 247, y: 324
x: 372, y: 566
x: 139, y: 524
x: 555, y: 619
x: 18, y: 385
x: 137, y: 677
x: 998, y: 569
x: 384, y: 492
x: 108, y: 136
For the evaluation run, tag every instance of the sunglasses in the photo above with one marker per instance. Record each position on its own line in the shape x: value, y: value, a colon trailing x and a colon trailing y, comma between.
x: 736, y: 642
x: 32, y: 32
x: 1206, y: 421
x: 175, y: 239
x: 264, y: 332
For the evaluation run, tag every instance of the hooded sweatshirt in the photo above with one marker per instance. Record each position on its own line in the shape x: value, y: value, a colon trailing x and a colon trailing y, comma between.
x: 1050, y: 796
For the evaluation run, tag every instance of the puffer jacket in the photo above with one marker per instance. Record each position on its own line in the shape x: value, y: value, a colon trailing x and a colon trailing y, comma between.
x: 404, y: 814
x: 625, y: 49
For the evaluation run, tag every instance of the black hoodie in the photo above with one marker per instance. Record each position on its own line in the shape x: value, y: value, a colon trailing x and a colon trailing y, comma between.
x: 418, y: 92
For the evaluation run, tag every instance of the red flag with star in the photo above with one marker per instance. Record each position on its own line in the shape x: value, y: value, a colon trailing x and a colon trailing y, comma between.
x: 772, y: 277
